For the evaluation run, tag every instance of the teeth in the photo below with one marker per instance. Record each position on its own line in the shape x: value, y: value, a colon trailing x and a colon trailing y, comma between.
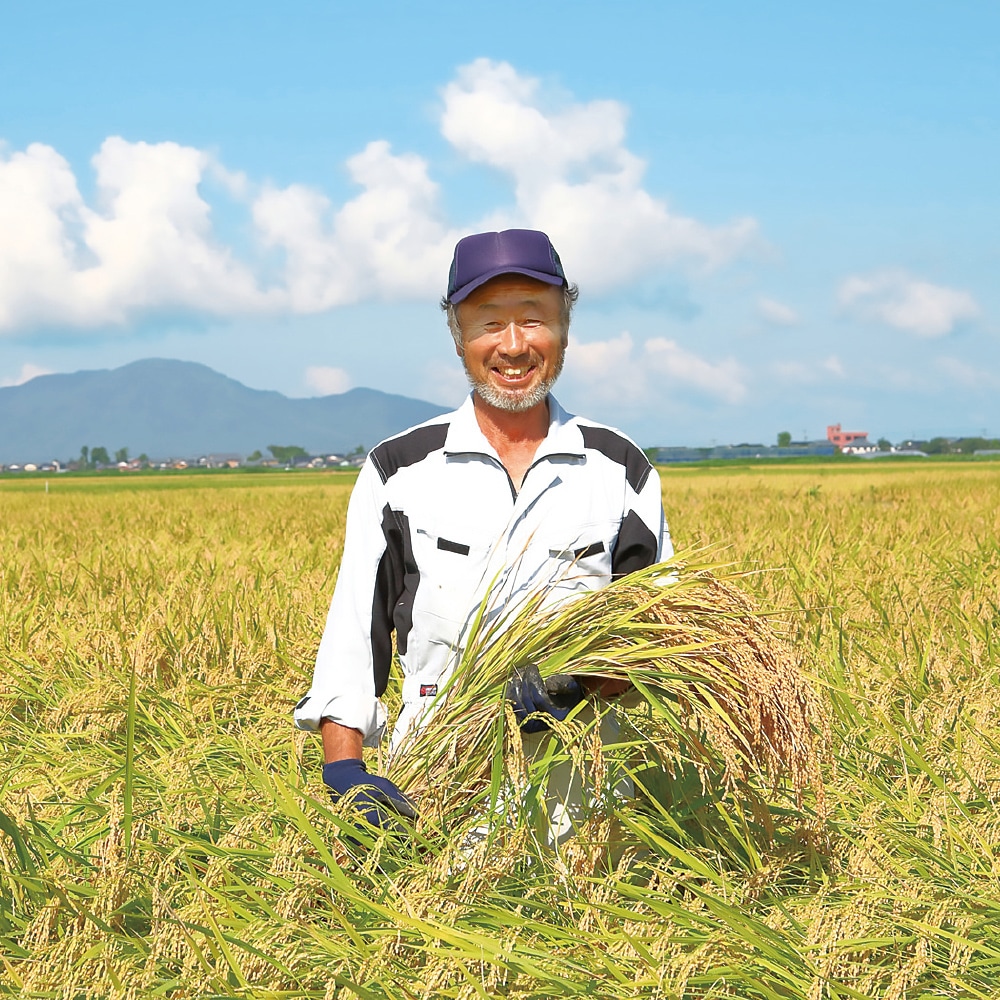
x: 513, y: 372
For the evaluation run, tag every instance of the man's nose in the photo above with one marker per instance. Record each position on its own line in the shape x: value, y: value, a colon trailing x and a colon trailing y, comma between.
x: 512, y: 341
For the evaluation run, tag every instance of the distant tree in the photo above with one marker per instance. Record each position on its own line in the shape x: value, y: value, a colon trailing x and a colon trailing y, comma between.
x: 256, y: 456
x: 360, y: 450
x: 970, y: 444
x: 938, y: 446
x: 99, y: 456
x: 784, y: 439
x: 286, y: 453
x: 121, y: 455
x: 144, y: 458
x: 85, y: 457
x: 884, y: 444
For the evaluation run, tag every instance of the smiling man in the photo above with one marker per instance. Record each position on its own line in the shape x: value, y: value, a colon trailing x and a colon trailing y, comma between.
x: 507, y: 497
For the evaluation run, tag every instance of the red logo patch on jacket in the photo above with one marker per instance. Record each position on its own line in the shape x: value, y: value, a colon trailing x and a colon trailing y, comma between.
x: 428, y: 690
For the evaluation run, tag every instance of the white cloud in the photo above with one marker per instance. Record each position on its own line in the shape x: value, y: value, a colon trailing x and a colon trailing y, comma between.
x: 723, y: 379
x: 808, y: 372
x: 146, y: 244
x: 776, y: 313
x: 37, y: 192
x: 574, y: 177
x: 26, y: 374
x: 894, y: 377
x: 794, y: 371
x: 388, y: 242
x: 967, y: 375
x: 444, y: 382
x: 899, y: 300
x: 146, y: 240
x: 609, y: 368
x: 618, y: 370
x: 326, y: 381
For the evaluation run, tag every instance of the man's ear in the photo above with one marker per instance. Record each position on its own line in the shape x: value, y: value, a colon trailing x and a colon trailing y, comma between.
x: 459, y: 349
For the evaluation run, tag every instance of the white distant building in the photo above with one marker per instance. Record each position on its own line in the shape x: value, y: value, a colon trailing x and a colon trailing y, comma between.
x: 859, y: 446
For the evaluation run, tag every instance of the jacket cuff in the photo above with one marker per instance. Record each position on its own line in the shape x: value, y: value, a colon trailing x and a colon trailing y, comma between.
x: 366, y: 715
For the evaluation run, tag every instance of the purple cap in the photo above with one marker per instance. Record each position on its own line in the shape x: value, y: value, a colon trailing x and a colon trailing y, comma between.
x: 514, y: 251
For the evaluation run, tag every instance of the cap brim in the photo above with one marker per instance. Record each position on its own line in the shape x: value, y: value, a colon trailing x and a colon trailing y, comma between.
x: 466, y: 290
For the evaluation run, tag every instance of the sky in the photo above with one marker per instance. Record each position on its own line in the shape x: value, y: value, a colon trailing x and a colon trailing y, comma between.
x: 780, y: 215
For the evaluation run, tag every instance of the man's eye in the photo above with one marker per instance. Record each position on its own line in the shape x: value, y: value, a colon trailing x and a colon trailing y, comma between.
x: 531, y: 322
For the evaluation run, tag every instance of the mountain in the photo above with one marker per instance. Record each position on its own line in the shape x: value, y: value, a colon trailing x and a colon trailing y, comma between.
x: 179, y: 408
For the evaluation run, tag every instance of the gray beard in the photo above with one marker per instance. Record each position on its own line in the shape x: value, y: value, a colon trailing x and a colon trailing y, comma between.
x: 513, y: 400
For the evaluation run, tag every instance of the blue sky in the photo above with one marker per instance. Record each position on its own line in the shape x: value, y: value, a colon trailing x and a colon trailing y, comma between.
x: 780, y: 215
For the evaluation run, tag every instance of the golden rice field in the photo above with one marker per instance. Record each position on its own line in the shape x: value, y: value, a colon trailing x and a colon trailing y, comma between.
x: 164, y: 832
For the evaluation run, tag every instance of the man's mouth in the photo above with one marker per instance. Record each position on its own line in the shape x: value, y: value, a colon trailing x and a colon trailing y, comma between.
x: 514, y: 373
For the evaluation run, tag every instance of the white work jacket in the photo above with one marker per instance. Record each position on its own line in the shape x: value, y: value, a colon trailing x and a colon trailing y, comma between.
x: 435, y: 522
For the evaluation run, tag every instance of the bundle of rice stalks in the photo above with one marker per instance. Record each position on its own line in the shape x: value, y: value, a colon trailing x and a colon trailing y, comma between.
x: 719, y: 689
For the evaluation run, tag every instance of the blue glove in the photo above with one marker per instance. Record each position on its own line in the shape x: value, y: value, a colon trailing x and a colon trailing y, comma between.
x: 528, y: 693
x: 379, y: 800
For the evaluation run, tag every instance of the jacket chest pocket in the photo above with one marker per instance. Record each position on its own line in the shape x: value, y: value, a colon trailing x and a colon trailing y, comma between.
x: 579, y: 559
x: 452, y: 564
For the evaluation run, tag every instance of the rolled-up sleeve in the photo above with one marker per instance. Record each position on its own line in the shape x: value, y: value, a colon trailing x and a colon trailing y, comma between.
x: 352, y: 662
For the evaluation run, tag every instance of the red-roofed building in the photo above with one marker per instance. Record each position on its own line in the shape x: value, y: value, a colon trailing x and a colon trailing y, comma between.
x: 844, y: 439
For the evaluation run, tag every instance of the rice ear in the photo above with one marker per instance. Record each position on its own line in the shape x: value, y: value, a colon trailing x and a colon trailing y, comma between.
x: 722, y: 688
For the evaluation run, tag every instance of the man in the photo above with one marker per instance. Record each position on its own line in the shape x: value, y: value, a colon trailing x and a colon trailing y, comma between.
x: 506, y: 497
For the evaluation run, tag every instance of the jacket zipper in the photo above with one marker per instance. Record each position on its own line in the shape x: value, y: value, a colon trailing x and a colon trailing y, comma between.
x: 537, y: 461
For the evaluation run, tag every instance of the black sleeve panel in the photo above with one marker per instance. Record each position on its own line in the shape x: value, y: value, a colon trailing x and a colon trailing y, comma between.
x: 395, y: 585
x: 636, y: 547
x: 620, y: 451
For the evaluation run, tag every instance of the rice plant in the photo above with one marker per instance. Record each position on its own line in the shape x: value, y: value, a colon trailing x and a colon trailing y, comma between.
x: 824, y: 825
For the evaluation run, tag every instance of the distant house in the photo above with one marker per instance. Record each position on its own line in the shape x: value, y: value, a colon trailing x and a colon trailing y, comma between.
x: 845, y: 439
x: 859, y: 446
x: 223, y: 460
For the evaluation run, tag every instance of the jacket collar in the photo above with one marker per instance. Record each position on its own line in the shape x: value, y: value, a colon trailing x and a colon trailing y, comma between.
x: 465, y: 438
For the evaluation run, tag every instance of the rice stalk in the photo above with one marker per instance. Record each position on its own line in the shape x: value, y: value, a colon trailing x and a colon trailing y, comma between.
x: 722, y: 690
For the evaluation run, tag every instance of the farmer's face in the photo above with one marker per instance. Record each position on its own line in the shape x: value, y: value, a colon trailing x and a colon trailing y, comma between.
x: 513, y: 340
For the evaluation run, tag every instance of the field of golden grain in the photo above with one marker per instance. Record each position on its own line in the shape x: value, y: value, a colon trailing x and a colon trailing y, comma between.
x: 164, y: 832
